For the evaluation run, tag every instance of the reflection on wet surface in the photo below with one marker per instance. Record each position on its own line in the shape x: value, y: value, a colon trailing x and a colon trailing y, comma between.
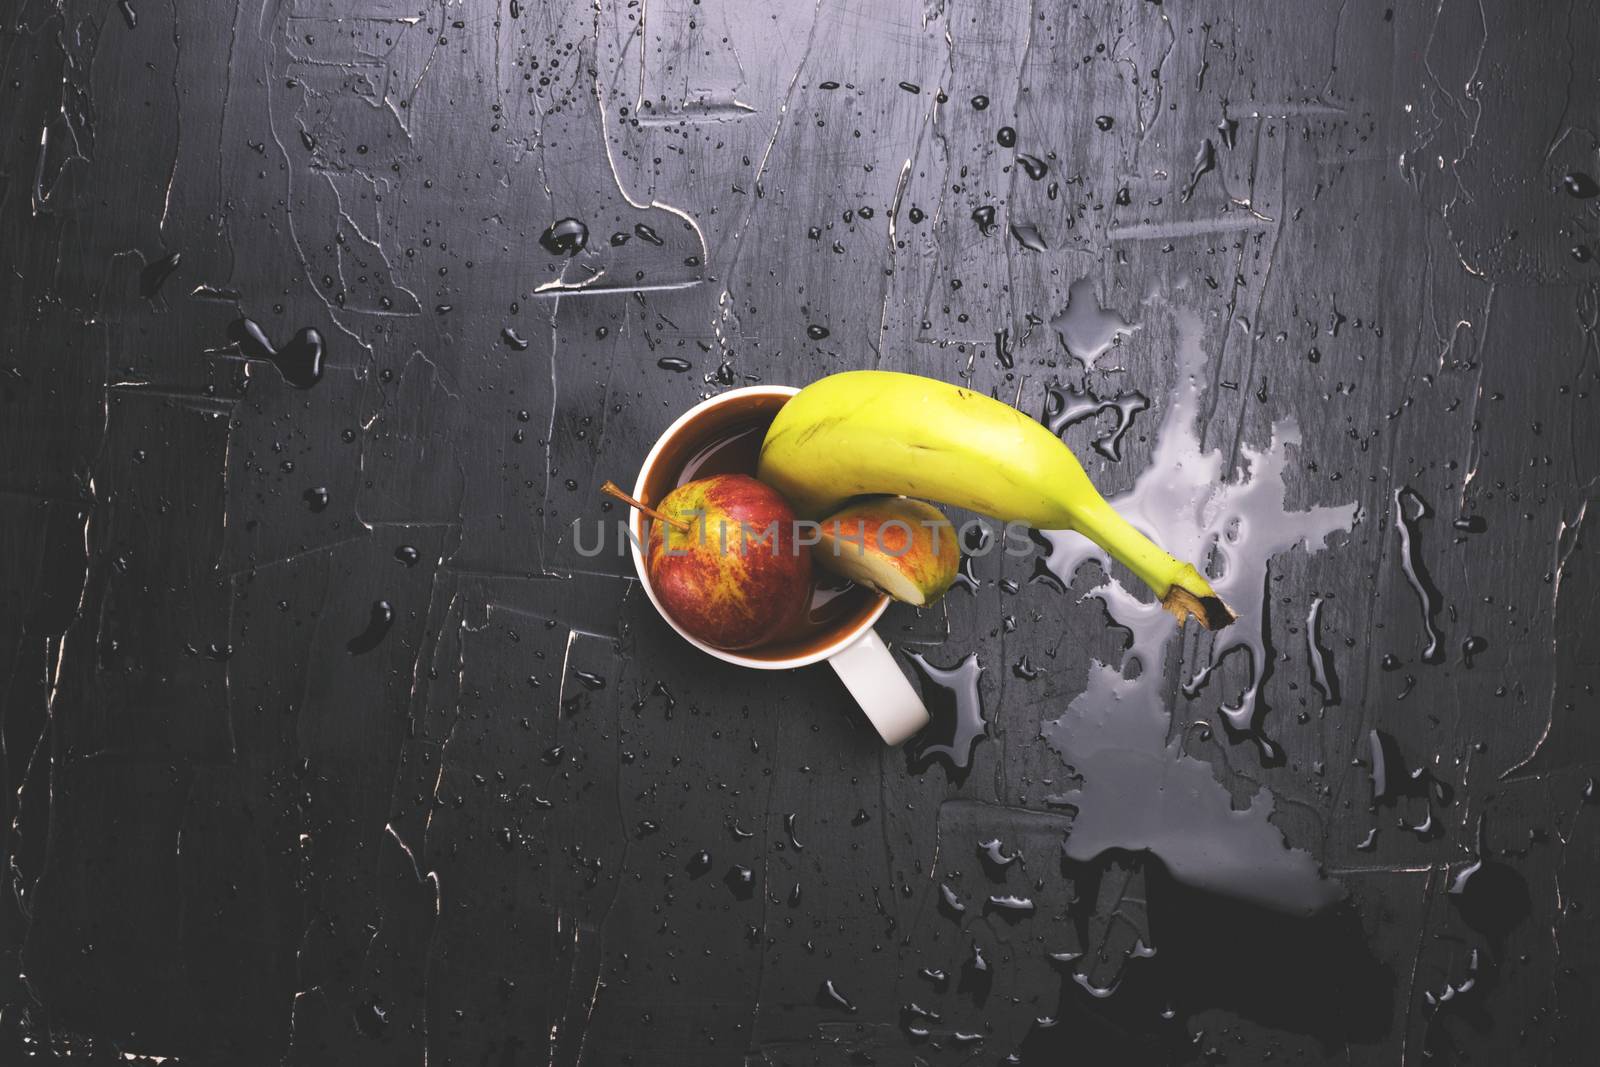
x: 323, y: 742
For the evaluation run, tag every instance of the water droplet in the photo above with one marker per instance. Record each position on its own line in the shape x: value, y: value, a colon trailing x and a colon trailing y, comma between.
x: 1010, y: 907
x: 1006, y: 137
x: 830, y: 997
x: 1490, y: 896
x: 1027, y: 235
x: 741, y: 882
x: 976, y: 977
x: 156, y: 272
x: 299, y: 361
x: 980, y: 103
x: 914, y: 1020
x: 1472, y: 646
x: 1002, y: 348
x: 673, y: 363
x: 1098, y: 992
x: 646, y: 234
x: 379, y: 619
x: 565, y: 237
x: 372, y: 1019
x: 996, y: 860
x: 949, y: 902
x: 316, y: 498
x: 591, y: 682
x: 699, y: 864
x: 816, y: 333
x: 1580, y: 185
x: 1322, y: 673
x: 1205, y: 160
x: 1033, y: 166
x: 984, y: 217
x: 788, y: 827
x: 1409, y: 510
x: 514, y: 339
x: 1104, y: 122
x: 252, y: 341
x: 1393, y: 780
x: 957, y: 723
x: 407, y: 555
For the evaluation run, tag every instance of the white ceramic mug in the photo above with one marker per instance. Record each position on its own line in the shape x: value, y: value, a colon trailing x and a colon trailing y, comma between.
x: 855, y: 652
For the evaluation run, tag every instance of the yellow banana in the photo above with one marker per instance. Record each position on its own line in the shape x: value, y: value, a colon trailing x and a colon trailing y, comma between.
x: 875, y: 431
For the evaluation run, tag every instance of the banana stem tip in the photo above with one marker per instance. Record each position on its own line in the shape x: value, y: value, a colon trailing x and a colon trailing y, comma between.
x: 1210, y: 610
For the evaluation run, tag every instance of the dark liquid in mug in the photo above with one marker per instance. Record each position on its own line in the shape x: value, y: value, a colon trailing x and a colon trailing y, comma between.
x: 727, y: 439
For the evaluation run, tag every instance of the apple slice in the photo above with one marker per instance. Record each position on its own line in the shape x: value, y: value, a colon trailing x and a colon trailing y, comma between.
x: 902, y: 547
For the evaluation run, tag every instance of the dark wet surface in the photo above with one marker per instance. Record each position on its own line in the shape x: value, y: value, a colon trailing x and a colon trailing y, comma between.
x: 324, y: 741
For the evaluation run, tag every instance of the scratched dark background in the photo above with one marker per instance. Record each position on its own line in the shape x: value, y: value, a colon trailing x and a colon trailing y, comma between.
x: 232, y: 838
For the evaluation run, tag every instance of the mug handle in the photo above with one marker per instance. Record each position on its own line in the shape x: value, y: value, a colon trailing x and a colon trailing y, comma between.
x: 873, y: 677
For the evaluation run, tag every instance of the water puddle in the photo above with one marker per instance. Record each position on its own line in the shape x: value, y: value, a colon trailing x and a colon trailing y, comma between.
x: 299, y: 361
x: 1087, y: 329
x: 1066, y: 406
x: 957, y: 723
x: 1138, y: 790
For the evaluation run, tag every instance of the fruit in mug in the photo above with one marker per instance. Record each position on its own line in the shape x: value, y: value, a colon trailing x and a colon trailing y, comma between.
x: 725, y: 563
x: 885, y: 432
x: 899, y: 546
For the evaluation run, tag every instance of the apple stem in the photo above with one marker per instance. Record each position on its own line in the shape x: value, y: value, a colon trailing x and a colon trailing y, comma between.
x: 611, y: 489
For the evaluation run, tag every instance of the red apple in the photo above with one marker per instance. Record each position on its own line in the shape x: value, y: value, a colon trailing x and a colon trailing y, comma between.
x: 731, y: 574
x: 905, y: 548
